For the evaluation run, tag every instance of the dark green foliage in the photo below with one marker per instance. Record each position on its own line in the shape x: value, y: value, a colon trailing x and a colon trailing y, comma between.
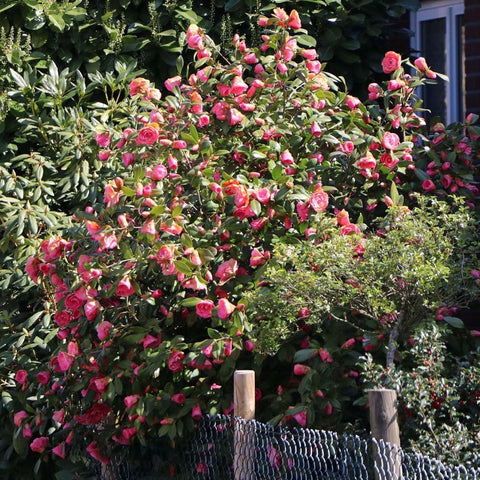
x: 91, y: 35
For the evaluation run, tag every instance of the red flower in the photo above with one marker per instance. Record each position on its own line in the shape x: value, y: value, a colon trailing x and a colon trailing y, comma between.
x: 175, y: 361
x: 196, y: 412
x: 95, y: 452
x: 124, y: 288
x: 21, y: 376
x: 391, y: 62
x: 39, y: 445
x: 204, y: 308
x: 94, y: 415
x: 319, y: 200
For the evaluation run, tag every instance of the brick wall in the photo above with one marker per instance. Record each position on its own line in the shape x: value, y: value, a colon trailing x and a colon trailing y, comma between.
x: 472, y: 55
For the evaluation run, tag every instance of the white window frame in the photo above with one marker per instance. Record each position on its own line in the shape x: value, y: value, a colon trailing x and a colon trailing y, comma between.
x: 448, y: 9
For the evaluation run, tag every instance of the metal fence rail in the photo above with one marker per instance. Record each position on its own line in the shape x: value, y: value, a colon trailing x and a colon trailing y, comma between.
x: 289, y: 453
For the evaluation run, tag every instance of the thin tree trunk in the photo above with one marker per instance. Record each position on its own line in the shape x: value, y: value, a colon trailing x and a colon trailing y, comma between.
x: 392, y: 341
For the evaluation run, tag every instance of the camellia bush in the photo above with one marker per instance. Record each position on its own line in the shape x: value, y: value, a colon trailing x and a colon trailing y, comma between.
x: 150, y: 291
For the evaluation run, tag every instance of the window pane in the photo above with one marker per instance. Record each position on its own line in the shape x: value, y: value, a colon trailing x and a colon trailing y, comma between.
x: 433, y: 35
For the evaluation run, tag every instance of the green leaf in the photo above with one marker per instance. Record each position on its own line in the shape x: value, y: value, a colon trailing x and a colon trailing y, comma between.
x: 19, y: 80
x: 394, y: 194
x: 454, y: 322
x: 303, y: 355
x: 191, y: 302
x: 57, y: 21
x: 307, y: 41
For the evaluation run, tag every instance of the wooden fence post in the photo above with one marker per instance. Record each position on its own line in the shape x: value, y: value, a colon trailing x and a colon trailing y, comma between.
x: 384, y: 426
x: 244, y: 444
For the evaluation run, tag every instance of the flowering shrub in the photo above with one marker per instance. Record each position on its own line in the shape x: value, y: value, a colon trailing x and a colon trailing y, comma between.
x: 438, y: 392
x: 150, y: 291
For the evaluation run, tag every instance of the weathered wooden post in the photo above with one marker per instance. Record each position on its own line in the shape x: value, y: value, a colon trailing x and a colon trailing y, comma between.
x: 244, y: 444
x: 384, y: 426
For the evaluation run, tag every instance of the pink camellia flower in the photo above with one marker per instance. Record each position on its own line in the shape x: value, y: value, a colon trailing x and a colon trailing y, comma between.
x: 309, y: 54
x: 274, y: 457
x: 280, y: 14
x: 159, y: 172
x: 128, y: 159
x: 374, y: 90
x: 395, y: 84
x: 294, y: 20
x: 194, y: 283
x: 178, y: 398
x: 173, y: 82
x: 179, y: 144
x: 301, y: 418
x: 59, y: 450
x: 149, y: 341
x: 59, y: 416
x: 21, y: 377
x: 203, y: 120
x: 422, y: 66
x: 225, y: 308
x: 32, y: 268
x: 263, y: 195
x: 328, y: 409
x: 125, y: 288
x: 65, y: 361
x: 147, y: 135
x: 352, y: 102
x: 348, y: 344
x: 39, y: 445
x: 238, y: 86
x: 258, y: 258
x: 349, y: 228
x: 103, y: 330
x: 228, y: 347
x: 43, y: 377
x: 286, y: 158
x: 27, y: 431
x: 343, y: 218
x: 139, y: 85
x: 428, y: 185
x: 194, y: 37
x: 92, y: 309
x: 175, y: 361
x: 390, y: 140
x: 196, y: 412
x: 131, y: 400
x: 367, y: 163
x: 204, y: 308
x: 299, y: 369
x: 102, y: 139
x: 250, y: 58
x: 391, y: 62
x: 95, y: 452
x: 347, y: 147
x: 315, y: 129
x: 53, y: 248
x: 104, y: 155
x: 389, y: 160
x: 249, y: 346
x: 235, y: 117
x: 227, y: 270
x: 19, y: 417
x: 319, y: 200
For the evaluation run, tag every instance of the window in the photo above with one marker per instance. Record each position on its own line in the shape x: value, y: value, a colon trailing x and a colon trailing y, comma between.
x: 439, y: 37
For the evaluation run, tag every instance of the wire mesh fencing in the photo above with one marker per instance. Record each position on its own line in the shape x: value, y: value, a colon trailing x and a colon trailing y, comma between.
x: 232, y: 448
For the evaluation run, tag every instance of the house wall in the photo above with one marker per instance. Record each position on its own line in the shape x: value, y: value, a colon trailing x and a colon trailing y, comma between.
x: 472, y: 55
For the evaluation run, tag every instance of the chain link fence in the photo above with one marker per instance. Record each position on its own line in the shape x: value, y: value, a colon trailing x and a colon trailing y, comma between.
x: 232, y: 448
